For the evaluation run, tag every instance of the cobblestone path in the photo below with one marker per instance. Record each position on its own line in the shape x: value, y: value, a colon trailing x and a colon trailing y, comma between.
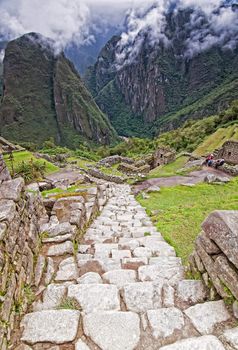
x: 123, y: 289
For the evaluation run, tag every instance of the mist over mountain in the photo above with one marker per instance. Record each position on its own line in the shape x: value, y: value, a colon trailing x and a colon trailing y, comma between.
x: 172, y: 55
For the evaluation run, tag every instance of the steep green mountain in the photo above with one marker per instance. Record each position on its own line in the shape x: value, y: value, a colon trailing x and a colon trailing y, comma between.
x: 163, y: 87
x: 44, y: 97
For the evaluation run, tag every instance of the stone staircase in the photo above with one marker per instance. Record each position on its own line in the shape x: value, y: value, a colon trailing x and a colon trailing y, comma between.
x: 123, y: 288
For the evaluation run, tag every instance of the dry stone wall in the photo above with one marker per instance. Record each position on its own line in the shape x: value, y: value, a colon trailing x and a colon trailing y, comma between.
x: 26, y: 230
x: 20, y: 216
x: 215, y: 256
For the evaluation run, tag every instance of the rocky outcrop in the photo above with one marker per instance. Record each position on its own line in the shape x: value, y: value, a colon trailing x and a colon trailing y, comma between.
x: 48, y: 99
x: 215, y: 256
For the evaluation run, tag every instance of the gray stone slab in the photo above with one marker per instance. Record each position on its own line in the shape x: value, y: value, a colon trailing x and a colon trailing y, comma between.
x: 207, y: 315
x: 113, y: 330
x: 165, y: 322
x: 142, y: 296
x: 95, y: 297
x: 119, y: 277
x: 53, y: 326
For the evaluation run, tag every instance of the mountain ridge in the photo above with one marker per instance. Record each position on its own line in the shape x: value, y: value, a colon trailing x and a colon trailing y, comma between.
x: 44, y: 97
x: 161, y: 81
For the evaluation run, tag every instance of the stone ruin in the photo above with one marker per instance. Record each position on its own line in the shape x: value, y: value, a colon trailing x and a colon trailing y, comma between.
x: 163, y: 156
x: 229, y: 152
x: 215, y: 257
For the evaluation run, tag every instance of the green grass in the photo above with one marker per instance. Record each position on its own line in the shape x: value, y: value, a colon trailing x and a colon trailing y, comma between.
x: 217, y: 139
x: 168, y: 169
x: 183, y: 209
x: 26, y: 156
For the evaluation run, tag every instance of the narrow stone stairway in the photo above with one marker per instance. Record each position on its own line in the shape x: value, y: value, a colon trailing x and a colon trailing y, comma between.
x: 123, y: 288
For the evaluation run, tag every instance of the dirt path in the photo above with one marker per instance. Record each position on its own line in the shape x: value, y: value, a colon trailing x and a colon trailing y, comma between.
x: 193, y: 178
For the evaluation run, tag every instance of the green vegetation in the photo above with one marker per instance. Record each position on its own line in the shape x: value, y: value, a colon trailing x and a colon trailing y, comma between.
x: 182, y: 210
x: 169, y: 169
x: 25, y: 164
x: 69, y: 303
x: 217, y: 139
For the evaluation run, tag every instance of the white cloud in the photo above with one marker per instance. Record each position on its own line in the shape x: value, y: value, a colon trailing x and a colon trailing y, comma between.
x: 61, y: 20
x: 210, y: 24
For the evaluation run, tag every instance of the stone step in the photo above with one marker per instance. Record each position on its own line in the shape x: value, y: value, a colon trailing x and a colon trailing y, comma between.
x: 169, y: 274
x: 119, y: 277
x: 205, y: 317
x: 53, y: 326
x: 112, y: 330
x: 95, y: 297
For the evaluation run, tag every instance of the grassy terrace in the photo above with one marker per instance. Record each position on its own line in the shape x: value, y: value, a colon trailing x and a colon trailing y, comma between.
x: 217, y: 139
x: 168, y: 169
x: 26, y: 156
x: 179, y: 211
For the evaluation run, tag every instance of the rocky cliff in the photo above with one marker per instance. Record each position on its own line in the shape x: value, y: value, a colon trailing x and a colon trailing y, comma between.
x: 163, y: 86
x: 44, y: 97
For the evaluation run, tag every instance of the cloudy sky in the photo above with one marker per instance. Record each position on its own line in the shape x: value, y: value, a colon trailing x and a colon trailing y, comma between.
x: 68, y: 21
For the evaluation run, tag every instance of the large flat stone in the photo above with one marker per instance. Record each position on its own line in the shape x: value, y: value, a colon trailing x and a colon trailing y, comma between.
x: 119, y: 277
x: 165, y: 322
x: 56, y: 229
x: 222, y: 227
x: 67, y: 270
x: 61, y: 249
x: 190, y: 292
x: 113, y: 330
x: 54, y: 326
x: 142, y: 296
x: 12, y: 189
x: 170, y: 274
x: 95, y: 297
x: 207, y: 342
x: 207, y: 315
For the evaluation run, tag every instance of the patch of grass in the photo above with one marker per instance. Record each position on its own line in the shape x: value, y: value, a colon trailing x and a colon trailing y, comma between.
x: 147, y: 234
x: 26, y: 156
x: 69, y: 303
x: 183, y: 209
x: 168, y: 169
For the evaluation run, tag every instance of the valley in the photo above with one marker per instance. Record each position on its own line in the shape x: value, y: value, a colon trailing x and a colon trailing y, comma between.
x: 119, y: 175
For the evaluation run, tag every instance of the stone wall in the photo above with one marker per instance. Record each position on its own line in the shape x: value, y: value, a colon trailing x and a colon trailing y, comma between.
x: 216, y: 255
x: 229, y: 152
x: 23, y: 225
x: 21, y: 213
x: 100, y: 175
